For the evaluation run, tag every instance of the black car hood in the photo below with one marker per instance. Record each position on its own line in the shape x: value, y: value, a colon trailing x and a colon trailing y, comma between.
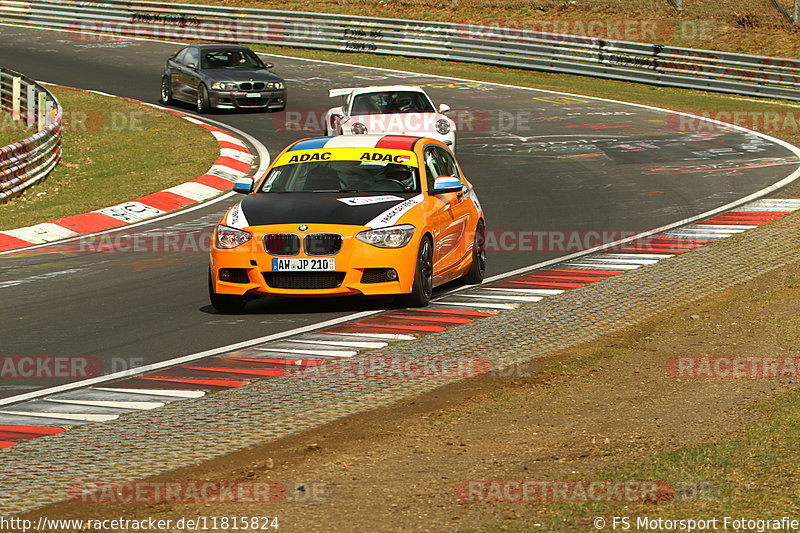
x: 233, y: 74
x: 314, y: 208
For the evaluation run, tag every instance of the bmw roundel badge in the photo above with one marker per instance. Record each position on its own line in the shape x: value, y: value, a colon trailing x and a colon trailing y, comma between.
x: 303, y: 227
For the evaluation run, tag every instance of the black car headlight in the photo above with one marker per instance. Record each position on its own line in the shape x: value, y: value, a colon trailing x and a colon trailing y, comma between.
x: 224, y: 86
x: 391, y: 237
x: 228, y: 237
x: 276, y: 85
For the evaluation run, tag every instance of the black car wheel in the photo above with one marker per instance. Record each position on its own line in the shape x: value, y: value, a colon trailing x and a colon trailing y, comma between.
x: 478, y: 267
x: 422, y: 289
x: 166, y: 90
x: 202, y: 99
x: 229, y: 304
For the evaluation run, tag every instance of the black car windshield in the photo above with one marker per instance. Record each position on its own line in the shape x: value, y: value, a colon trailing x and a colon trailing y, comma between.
x: 231, y: 58
x: 342, y: 176
x: 391, y: 102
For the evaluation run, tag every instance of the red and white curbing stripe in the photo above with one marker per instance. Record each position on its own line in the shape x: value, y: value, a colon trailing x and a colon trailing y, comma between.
x: 234, y: 161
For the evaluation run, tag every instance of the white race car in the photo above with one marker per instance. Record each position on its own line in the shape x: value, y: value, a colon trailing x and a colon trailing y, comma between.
x: 390, y: 110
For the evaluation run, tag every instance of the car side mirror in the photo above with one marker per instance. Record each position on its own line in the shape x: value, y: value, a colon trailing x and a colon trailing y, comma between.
x: 192, y: 66
x: 447, y: 184
x: 244, y: 185
x: 444, y: 108
x: 268, y: 65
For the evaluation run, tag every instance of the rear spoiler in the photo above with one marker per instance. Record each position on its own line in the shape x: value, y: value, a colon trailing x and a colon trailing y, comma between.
x: 333, y: 93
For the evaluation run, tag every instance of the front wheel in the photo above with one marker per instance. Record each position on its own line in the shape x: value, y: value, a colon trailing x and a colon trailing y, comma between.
x: 422, y: 288
x: 202, y: 99
x: 166, y: 90
x: 478, y: 267
x: 229, y: 304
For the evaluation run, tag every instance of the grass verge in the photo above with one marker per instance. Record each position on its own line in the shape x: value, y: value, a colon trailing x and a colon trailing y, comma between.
x: 114, y: 150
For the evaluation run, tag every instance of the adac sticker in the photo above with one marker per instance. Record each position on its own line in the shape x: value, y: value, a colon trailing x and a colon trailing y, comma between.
x: 368, y: 200
x: 372, y: 155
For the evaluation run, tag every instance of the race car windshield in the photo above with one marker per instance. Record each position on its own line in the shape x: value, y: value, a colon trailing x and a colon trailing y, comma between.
x: 391, y: 102
x: 229, y: 59
x: 342, y: 176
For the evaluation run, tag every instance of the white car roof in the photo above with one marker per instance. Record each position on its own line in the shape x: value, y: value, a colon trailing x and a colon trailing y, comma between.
x: 374, y: 89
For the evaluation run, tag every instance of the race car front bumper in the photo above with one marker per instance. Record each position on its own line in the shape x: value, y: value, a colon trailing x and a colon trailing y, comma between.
x: 360, y: 268
x: 266, y: 99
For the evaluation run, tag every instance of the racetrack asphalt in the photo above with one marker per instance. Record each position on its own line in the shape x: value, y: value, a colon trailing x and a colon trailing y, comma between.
x: 539, y: 161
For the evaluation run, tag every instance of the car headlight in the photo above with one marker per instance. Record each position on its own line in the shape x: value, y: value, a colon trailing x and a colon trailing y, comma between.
x: 392, y: 237
x: 443, y: 126
x: 276, y: 85
x: 359, y: 128
x: 224, y: 86
x: 228, y: 237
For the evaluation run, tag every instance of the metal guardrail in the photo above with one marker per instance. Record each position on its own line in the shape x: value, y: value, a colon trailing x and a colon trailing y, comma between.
x: 32, y: 107
x: 620, y: 60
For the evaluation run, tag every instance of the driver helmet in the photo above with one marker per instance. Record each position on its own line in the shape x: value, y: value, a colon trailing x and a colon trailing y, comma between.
x: 402, y: 173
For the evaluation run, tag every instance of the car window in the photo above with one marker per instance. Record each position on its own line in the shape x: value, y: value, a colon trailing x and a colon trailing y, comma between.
x: 439, y: 163
x: 342, y: 176
x: 192, y: 57
x: 448, y: 163
x: 181, y: 56
x: 381, y: 103
x: 231, y: 58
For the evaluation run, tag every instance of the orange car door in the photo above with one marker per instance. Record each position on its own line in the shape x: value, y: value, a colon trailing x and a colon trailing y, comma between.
x: 449, y: 212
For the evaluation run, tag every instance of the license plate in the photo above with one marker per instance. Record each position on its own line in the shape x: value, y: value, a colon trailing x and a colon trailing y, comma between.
x: 304, y: 264
x: 254, y: 95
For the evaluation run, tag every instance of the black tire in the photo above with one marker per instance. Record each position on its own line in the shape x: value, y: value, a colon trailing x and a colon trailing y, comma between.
x: 478, y: 267
x: 229, y: 304
x: 203, y: 105
x: 422, y: 288
x: 166, y: 90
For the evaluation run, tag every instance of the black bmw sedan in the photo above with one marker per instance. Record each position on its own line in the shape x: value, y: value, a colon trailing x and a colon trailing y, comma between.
x: 221, y: 76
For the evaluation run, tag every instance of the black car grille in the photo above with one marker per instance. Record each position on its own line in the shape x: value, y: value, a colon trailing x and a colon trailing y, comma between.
x: 282, y: 243
x: 252, y: 86
x: 304, y: 280
x: 252, y: 102
x: 322, y: 243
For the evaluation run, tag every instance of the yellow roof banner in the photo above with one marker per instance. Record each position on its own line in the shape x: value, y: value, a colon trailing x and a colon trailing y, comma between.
x: 376, y: 155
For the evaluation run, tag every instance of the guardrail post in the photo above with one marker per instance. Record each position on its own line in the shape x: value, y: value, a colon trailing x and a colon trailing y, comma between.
x: 31, y: 117
x: 16, y: 97
x: 41, y: 108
